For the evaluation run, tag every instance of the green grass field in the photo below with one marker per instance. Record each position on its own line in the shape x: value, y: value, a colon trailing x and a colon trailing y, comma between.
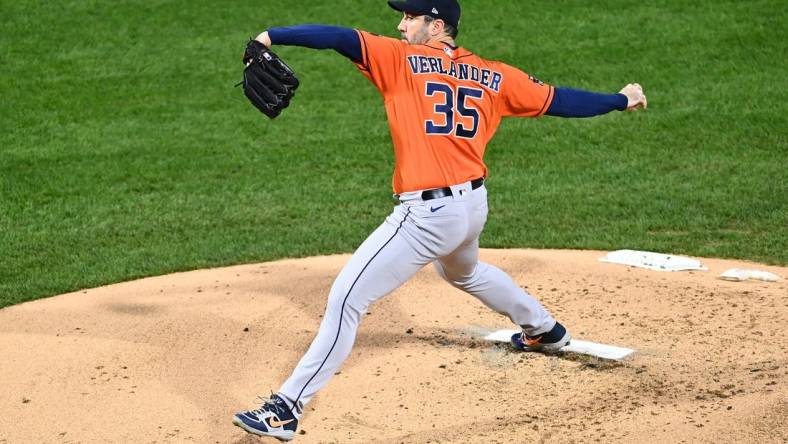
x: 125, y: 151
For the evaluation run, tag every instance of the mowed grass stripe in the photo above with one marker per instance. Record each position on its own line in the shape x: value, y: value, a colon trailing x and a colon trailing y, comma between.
x: 125, y: 151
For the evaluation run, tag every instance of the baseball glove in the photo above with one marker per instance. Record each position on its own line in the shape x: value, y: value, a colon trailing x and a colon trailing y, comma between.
x: 268, y: 82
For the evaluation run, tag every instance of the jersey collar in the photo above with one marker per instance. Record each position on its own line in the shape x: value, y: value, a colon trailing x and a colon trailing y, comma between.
x: 451, y: 50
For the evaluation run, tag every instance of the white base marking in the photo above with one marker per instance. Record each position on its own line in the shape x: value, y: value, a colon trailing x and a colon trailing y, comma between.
x: 603, y: 351
x: 737, y: 274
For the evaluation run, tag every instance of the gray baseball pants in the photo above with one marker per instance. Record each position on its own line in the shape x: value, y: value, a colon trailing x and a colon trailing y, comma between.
x: 442, y: 231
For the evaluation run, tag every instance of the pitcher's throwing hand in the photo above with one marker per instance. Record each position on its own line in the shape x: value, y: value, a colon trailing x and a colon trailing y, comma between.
x: 635, y: 97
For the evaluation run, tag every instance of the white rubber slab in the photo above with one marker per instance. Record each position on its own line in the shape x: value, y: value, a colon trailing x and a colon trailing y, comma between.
x: 652, y: 261
x: 603, y: 351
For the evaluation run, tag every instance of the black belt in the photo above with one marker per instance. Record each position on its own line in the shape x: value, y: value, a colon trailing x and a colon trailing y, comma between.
x: 446, y: 191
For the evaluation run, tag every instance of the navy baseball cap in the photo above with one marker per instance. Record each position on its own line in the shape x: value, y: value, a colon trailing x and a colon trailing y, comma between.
x: 446, y: 10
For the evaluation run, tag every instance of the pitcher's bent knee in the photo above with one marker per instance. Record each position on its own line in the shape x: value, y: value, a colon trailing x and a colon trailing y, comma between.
x: 458, y: 280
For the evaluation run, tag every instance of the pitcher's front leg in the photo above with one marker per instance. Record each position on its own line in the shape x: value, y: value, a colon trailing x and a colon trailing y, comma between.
x: 383, y: 262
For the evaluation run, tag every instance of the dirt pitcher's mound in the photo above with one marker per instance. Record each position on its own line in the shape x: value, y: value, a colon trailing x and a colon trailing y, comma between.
x: 172, y: 358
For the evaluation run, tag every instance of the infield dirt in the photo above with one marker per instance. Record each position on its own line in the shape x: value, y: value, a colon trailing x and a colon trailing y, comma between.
x: 172, y: 358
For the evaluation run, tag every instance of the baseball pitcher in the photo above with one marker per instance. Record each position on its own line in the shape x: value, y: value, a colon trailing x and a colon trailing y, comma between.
x: 444, y: 104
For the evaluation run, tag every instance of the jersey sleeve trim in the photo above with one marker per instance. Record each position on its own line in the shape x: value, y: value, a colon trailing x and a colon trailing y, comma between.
x: 364, y: 64
x: 547, y: 102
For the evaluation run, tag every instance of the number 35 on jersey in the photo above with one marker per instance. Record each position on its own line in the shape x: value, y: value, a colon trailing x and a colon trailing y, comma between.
x: 455, y: 111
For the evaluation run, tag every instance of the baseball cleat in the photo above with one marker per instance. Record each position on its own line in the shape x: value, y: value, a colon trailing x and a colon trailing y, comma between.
x: 273, y: 418
x: 553, y: 340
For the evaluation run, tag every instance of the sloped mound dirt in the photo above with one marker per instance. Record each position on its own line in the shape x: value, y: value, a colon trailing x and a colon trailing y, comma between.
x: 172, y: 358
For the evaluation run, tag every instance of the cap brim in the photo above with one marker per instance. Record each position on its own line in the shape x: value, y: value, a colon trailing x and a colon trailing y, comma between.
x: 403, y: 6
x: 398, y: 6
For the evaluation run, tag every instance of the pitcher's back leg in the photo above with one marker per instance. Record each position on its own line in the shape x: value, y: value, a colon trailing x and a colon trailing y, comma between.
x: 494, y: 288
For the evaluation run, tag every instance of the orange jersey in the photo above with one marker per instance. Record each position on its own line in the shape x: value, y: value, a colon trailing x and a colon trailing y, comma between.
x: 444, y: 104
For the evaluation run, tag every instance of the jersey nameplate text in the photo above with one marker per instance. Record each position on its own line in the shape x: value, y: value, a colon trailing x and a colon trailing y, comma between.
x: 461, y: 71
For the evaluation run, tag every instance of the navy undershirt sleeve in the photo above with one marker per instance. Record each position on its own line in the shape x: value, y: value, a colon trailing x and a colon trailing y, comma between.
x: 566, y: 102
x: 343, y: 40
x: 569, y: 102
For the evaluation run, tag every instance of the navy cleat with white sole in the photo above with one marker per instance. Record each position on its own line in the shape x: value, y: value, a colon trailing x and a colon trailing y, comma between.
x: 273, y: 418
x: 553, y: 340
